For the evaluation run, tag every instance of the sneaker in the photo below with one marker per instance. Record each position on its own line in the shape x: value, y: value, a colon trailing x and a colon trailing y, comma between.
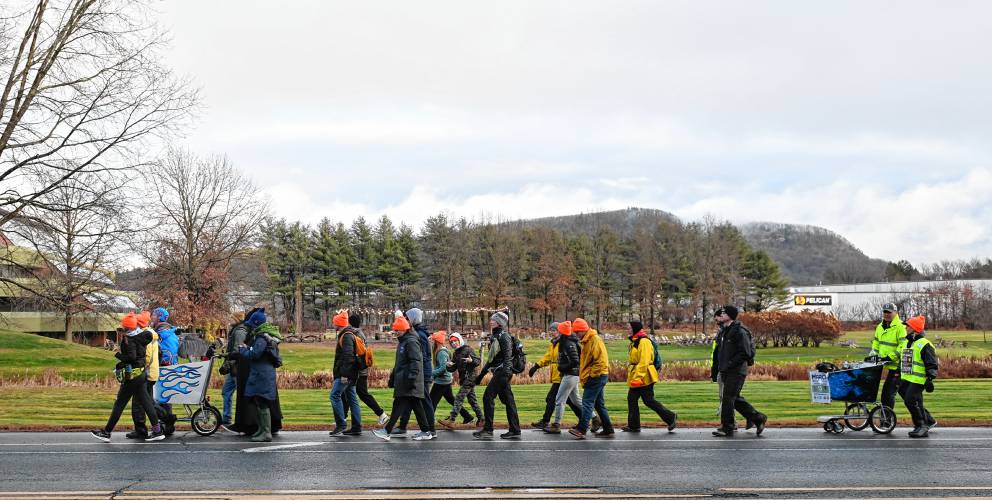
x: 723, y: 433
x: 510, y: 435
x: 423, y: 436
x: 336, y: 432
x: 227, y: 428
x: 577, y: 434
x: 553, y: 429
x: 136, y: 435
x: 102, y: 435
x: 605, y: 434
x: 540, y: 424
x: 483, y: 435
x: 354, y: 431
x: 759, y: 425
x: 383, y: 418
x: 674, y: 423
x: 433, y: 434
x: 381, y: 434
x: 629, y: 429
x: 467, y: 420
x: 595, y: 425
x: 932, y: 425
x: 399, y: 433
x: 155, y: 436
x: 447, y: 423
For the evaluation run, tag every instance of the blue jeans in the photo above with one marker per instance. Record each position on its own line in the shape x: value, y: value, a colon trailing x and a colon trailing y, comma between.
x: 593, y: 398
x: 340, y: 392
x: 230, y: 385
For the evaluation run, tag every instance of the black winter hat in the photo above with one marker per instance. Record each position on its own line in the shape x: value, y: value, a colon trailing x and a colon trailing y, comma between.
x: 731, y: 311
x: 636, y: 326
x: 355, y: 320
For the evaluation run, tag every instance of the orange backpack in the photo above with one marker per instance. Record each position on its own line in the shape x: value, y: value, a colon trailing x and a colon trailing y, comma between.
x: 363, y: 352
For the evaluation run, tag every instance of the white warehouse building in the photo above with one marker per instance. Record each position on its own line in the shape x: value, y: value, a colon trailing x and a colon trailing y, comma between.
x: 863, y: 301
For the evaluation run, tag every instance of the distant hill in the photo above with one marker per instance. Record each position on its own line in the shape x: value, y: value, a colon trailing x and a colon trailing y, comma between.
x: 621, y: 221
x: 809, y: 255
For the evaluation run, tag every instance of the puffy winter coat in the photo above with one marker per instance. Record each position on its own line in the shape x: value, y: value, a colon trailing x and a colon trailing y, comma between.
x: 132, y: 351
x: 641, y: 371
x: 408, y: 371
x: 595, y: 361
x: 425, y: 353
x: 465, y: 369
x: 345, y: 364
x: 151, y: 354
x: 568, y: 355
x: 262, y: 369
x: 168, y: 343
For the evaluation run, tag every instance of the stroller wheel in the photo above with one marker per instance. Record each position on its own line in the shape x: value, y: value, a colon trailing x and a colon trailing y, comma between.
x: 882, y: 419
x: 856, y: 416
x: 828, y: 428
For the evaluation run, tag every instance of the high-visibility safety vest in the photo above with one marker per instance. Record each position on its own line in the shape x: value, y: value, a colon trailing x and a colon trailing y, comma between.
x: 913, y: 370
x: 889, y: 341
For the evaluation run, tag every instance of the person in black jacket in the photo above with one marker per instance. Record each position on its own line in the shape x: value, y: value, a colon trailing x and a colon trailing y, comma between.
x: 133, y: 376
x: 416, y: 319
x: 734, y: 352
x: 568, y: 370
x: 407, y: 381
x: 345, y: 372
x: 501, y: 363
x: 464, y: 362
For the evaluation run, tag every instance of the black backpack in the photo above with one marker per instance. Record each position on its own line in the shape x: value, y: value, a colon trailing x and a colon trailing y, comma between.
x: 519, y: 356
x: 750, y: 346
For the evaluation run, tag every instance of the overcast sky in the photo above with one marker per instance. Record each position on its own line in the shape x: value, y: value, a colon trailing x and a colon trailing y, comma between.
x: 870, y: 119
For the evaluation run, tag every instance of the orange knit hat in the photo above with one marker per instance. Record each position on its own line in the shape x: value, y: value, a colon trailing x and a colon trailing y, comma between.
x: 580, y: 325
x: 129, y: 321
x: 341, y: 319
x: 917, y: 323
x: 565, y: 328
x: 439, y: 336
x: 144, y: 318
x: 400, y: 324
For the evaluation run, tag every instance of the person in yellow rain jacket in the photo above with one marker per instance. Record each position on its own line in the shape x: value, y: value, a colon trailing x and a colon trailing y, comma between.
x: 594, y: 369
x: 550, y: 358
x: 641, y: 377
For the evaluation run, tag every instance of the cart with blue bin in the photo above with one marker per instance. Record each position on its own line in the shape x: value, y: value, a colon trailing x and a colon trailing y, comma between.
x: 857, y: 385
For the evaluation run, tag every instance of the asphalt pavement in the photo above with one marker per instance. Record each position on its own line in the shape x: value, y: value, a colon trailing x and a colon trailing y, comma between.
x: 783, y: 463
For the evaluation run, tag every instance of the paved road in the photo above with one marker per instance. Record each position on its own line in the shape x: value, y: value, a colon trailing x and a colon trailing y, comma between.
x: 807, y: 463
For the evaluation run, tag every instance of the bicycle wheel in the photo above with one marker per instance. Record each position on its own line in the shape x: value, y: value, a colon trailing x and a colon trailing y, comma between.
x: 206, y: 422
x: 856, y: 416
x: 882, y: 419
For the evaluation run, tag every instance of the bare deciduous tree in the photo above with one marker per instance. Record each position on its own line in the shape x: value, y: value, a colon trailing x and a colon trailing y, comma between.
x: 204, y: 214
x: 83, y: 91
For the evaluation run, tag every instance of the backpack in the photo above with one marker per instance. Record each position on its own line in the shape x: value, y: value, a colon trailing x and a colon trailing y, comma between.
x: 657, y: 355
x: 749, y: 345
x: 363, y: 353
x: 519, y: 356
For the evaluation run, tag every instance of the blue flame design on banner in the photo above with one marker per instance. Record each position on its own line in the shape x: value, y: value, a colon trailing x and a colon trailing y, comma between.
x: 182, y: 384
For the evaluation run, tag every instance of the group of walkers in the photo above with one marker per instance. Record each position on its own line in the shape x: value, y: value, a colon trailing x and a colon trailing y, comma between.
x: 424, y: 369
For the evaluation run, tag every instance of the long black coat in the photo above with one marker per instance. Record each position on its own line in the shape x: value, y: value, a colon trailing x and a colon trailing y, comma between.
x: 408, y: 372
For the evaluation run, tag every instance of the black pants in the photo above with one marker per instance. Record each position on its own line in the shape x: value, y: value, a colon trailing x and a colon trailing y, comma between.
x: 163, y: 411
x: 439, y: 391
x: 646, y: 394
x: 733, y: 401
x: 912, y: 396
x: 889, y: 389
x: 426, y: 406
x: 137, y: 390
x: 499, y: 386
x: 405, y: 405
x: 549, y: 404
x: 362, y: 388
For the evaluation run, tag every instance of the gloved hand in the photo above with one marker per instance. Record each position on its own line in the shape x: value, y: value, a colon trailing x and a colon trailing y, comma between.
x: 928, y: 386
x: 872, y: 353
x: 533, y: 370
x: 872, y: 359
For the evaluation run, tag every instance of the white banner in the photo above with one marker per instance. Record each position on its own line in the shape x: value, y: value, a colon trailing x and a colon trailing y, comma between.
x: 182, y: 384
x: 819, y: 387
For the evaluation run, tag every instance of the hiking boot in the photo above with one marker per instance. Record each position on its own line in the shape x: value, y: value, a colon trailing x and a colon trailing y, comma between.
x: 383, y: 418
x: 102, y: 435
x: 510, y: 435
x: 483, y: 435
x: 553, y: 429
x: 399, y: 433
x: 577, y: 434
x: 723, y: 433
x: 381, y: 434
x: 136, y: 435
x: 156, y: 436
x: 674, y: 423
x: 630, y: 429
x: 338, y: 431
x: 920, y: 431
x: 759, y: 425
x: 539, y: 425
x: 423, y: 436
x: 605, y: 434
x: 447, y: 423
x: 354, y: 431
x: 596, y: 424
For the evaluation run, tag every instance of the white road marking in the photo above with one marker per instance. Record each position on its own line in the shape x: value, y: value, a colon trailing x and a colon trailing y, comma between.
x: 272, y: 449
x: 262, y: 449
